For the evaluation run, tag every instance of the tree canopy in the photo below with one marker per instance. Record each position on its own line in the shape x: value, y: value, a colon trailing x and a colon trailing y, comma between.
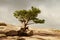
x: 28, y: 15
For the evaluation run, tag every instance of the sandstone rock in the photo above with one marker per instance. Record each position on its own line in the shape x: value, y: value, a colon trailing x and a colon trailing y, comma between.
x: 1, y: 32
x: 21, y: 39
x: 3, y: 24
x: 2, y: 35
x: 12, y: 33
x: 30, y: 33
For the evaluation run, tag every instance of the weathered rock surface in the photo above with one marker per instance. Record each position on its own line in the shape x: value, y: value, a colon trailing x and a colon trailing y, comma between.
x: 38, y: 33
x: 12, y: 33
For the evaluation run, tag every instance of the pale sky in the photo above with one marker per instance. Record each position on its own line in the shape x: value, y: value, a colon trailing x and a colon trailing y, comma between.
x: 50, y: 11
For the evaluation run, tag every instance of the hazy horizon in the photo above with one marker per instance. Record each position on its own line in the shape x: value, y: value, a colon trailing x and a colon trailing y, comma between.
x: 50, y: 11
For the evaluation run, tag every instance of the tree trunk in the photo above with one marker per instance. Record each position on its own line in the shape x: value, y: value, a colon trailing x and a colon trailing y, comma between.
x: 23, y: 30
x: 25, y: 25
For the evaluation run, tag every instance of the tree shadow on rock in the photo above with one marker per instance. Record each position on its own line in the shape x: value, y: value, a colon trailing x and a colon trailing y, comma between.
x: 12, y: 33
x: 23, y: 32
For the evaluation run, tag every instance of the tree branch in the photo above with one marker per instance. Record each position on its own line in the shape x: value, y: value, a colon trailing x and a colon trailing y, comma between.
x: 31, y: 23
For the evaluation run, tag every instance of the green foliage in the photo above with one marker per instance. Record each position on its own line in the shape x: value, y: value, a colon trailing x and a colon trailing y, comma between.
x: 36, y: 20
x: 27, y: 15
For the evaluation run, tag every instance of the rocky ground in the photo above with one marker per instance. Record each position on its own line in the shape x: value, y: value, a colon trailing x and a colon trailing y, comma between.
x: 38, y: 34
x: 34, y: 37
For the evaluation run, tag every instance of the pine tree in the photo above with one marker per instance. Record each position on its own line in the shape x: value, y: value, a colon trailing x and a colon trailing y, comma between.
x: 26, y: 16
